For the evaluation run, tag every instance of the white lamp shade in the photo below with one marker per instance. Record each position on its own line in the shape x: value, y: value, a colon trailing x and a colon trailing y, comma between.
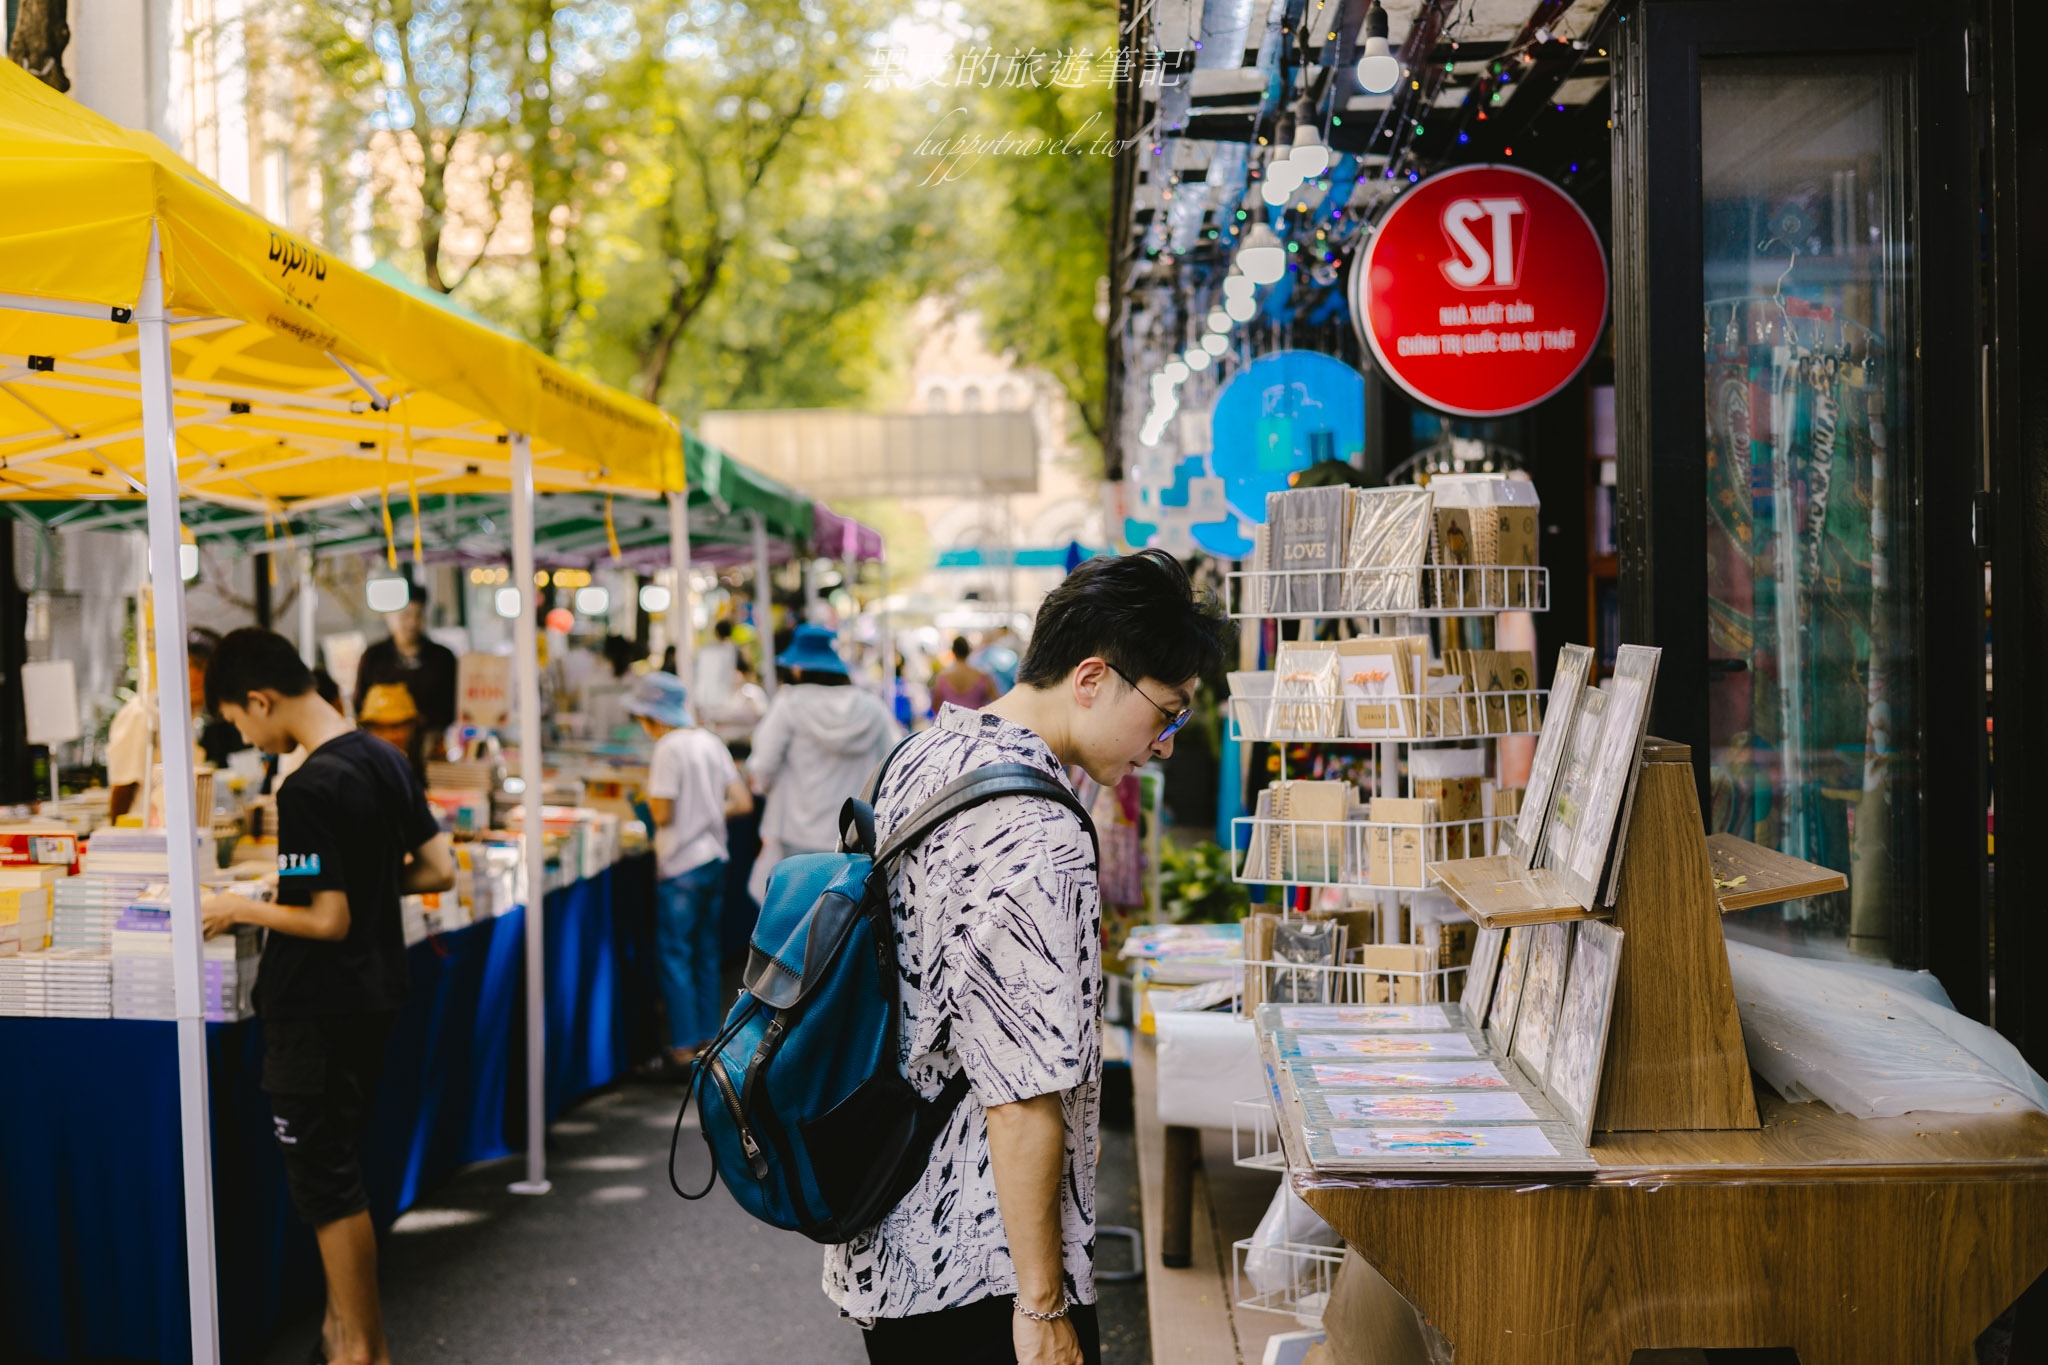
x: 1262, y: 258
x: 654, y: 599
x: 1237, y: 287
x: 387, y: 594
x: 506, y: 601
x: 1379, y: 70
x: 1276, y: 194
x: 1219, y: 321
x: 1215, y: 343
x: 1283, y: 172
x: 1175, y: 370
x: 593, y: 600
x: 1310, y: 157
x: 1197, y: 358
x: 1243, y: 308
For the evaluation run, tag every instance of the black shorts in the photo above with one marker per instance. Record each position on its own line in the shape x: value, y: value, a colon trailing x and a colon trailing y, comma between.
x: 322, y: 1076
x: 978, y: 1333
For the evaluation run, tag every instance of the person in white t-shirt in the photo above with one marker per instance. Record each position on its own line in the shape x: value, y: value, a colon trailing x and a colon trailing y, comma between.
x: 693, y: 788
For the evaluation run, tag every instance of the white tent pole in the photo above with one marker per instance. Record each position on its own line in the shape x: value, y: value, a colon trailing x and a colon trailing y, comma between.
x: 526, y: 654
x: 764, y: 605
x: 309, y: 611
x: 682, y: 614
x: 181, y: 837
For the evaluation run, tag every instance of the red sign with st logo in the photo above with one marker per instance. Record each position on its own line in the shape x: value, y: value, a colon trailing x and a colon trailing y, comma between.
x: 1482, y: 291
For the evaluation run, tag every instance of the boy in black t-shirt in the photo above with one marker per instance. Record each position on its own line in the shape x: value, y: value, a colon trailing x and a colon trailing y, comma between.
x: 353, y: 836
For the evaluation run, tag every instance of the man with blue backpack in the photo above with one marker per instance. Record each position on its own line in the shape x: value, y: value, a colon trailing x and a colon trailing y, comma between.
x: 989, y: 1257
x: 911, y: 1076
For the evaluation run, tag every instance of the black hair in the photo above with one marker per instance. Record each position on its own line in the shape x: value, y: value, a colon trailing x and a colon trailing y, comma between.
x: 253, y: 659
x: 960, y: 650
x: 1138, y: 611
x: 327, y: 687
x: 723, y: 630
x: 416, y: 592
x: 200, y: 642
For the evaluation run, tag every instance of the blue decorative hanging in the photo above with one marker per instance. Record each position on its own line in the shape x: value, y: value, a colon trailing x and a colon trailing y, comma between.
x: 1281, y: 413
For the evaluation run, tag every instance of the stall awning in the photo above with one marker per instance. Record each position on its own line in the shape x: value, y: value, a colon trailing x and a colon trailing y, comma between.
x: 843, y: 537
x: 724, y: 482
x: 297, y: 379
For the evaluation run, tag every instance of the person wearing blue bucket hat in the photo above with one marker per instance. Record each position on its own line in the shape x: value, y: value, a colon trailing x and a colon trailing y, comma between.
x: 693, y: 788
x: 815, y: 747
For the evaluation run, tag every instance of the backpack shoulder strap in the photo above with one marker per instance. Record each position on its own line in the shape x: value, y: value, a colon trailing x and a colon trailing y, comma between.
x: 857, y: 816
x: 973, y: 788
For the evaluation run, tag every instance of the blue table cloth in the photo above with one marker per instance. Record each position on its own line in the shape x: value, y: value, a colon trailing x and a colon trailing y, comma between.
x: 92, y: 1240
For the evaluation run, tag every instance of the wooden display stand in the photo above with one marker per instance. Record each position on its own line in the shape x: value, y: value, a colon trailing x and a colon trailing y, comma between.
x: 1710, y: 1224
x: 1674, y: 1050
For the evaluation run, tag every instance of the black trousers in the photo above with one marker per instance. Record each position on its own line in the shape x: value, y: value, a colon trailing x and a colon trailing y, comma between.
x: 973, y: 1334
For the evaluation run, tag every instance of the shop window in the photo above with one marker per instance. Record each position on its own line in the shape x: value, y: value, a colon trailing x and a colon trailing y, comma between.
x: 1813, y: 564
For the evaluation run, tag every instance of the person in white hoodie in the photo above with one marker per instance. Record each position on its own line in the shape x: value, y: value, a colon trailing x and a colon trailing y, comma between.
x: 815, y: 747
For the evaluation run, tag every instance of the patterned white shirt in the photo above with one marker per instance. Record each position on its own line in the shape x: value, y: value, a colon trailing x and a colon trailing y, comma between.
x: 999, y: 925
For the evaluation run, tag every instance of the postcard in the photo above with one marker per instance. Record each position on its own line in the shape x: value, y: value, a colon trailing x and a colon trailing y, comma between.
x: 1542, y: 991
x: 1475, y: 1143
x: 1440, y: 1107
x: 1507, y: 990
x: 1582, y: 1024
x: 1479, y: 975
x: 1365, y: 1016
x: 1380, y: 1045
x: 1475, y: 1075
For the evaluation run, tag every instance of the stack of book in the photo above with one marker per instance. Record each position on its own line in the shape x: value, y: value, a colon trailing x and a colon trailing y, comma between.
x: 24, y: 919
x: 88, y: 905
x: 21, y: 984
x: 120, y: 864
x: 143, y: 983
x: 76, y: 984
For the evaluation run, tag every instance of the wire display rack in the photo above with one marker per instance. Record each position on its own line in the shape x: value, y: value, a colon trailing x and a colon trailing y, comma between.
x: 1433, y: 590
x: 1389, y: 718
x: 1296, y: 1278
x: 1378, y: 855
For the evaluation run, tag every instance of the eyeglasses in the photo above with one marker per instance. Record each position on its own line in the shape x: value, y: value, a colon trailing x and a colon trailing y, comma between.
x: 1175, y: 719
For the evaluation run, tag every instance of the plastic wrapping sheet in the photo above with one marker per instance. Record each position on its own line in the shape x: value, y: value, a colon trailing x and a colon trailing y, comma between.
x: 1207, y: 1062
x: 1387, y: 538
x: 1872, y: 1041
x: 1288, y: 1222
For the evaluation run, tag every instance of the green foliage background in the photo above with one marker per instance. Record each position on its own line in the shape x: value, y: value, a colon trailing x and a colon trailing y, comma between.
x: 711, y: 204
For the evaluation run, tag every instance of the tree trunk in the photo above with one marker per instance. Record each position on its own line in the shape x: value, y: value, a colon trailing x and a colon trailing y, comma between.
x: 41, y: 33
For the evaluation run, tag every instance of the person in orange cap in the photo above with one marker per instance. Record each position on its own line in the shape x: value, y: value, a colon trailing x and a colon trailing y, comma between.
x: 390, y: 713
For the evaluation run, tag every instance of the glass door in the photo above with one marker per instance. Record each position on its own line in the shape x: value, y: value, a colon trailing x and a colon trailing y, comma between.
x: 1813, y: 563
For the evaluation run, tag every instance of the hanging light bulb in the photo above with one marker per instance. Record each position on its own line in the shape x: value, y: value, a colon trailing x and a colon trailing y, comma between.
x: 1236, y: 286
x: 1219, y: 321
x: 1215, y: 343
x: 1277, y: 194
x: 1176, y: 371
x: 1282, y: 171
x: 1310, y: 158
x: 1262, y: 258
x: 1379, y: 70
x: 1243, y: 308
x: 1197, y: 358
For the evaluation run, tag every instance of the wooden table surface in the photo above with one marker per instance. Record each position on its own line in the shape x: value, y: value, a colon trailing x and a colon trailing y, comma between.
x: 1855, y: 1242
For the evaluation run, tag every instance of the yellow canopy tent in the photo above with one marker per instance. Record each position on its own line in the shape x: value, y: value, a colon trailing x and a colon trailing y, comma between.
x: 157, y: 336
x: 296, y: 378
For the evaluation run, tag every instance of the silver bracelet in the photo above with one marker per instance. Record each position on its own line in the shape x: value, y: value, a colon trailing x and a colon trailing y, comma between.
x: 1054, y: 1316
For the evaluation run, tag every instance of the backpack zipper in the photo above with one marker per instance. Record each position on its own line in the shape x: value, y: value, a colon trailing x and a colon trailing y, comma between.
x: 755, y: 1161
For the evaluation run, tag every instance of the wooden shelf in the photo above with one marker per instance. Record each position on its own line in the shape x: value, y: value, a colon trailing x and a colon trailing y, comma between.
x: 1747, y: 875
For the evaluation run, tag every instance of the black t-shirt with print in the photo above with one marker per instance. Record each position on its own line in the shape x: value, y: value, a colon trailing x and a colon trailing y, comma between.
x: 345, y: 821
